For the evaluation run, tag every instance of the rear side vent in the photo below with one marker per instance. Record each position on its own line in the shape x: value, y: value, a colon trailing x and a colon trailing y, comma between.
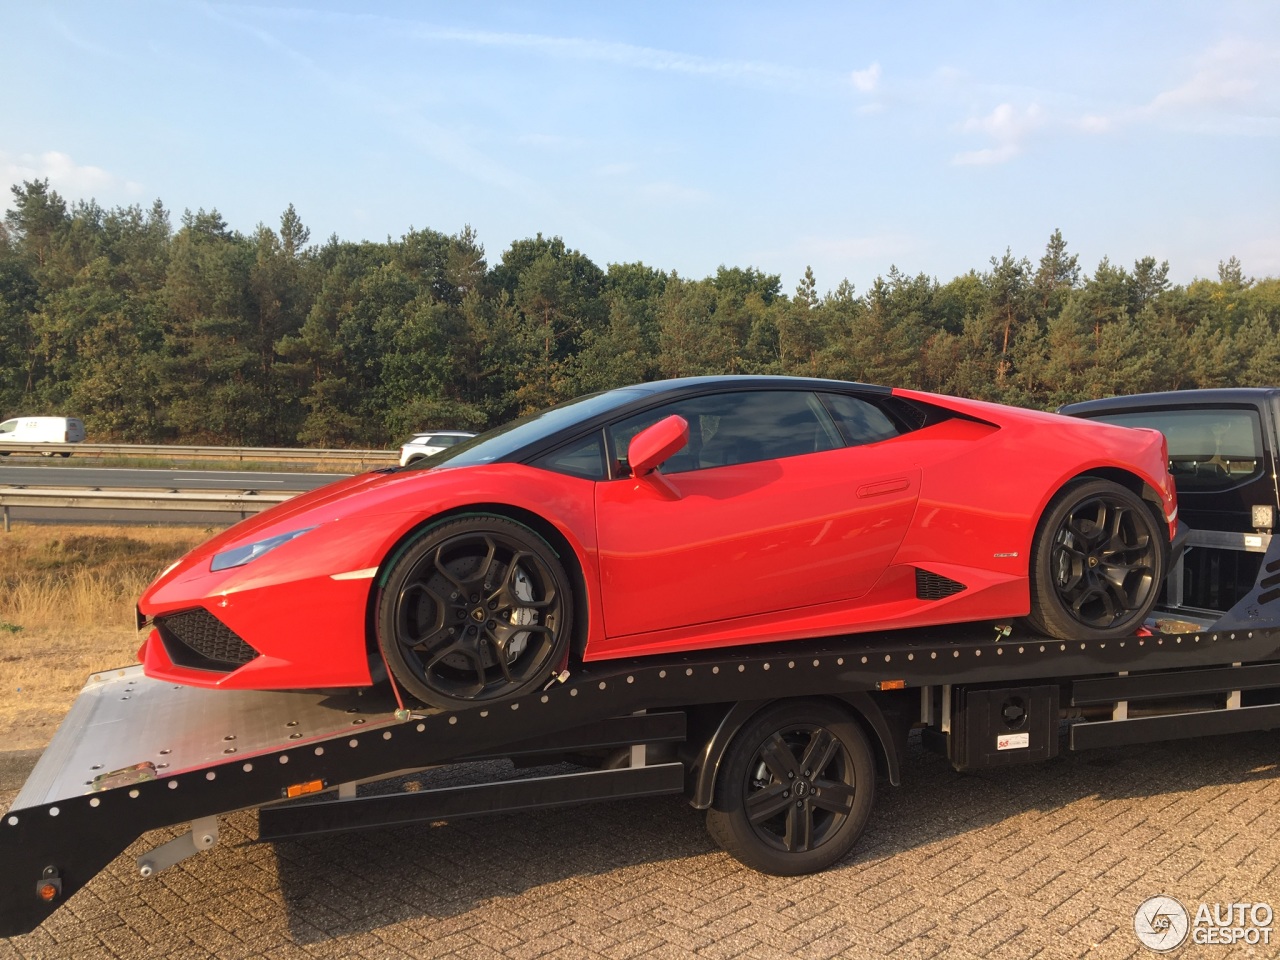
x: 934, y: 586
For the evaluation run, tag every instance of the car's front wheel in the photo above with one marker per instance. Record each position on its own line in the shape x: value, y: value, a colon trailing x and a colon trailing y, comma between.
x: 474, y: 610
x: 1097, y: 563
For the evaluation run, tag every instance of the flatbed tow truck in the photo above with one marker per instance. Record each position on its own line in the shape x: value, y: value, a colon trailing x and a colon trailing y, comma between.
x: 136, y: 754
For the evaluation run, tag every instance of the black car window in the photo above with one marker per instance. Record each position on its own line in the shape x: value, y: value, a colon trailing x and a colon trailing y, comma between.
x: 730, y: 428
x: 509, y: 438
x: 860, y: 421
x: 1209, y: 449
x: 584, y: 458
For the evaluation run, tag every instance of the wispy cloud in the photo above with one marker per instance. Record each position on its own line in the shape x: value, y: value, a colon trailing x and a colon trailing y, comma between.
x: 866, y: 80
x: 849, y: 249
x: 547, y: 141
x: 588, y: 49
x: 620, y: 54
x: 1008, y: 127
x: 664, y: 191
x: 63, y: 173
x: 1227, y: 74
x: 1231, y: 88
x: 444, y: 144
x: 620, y: 169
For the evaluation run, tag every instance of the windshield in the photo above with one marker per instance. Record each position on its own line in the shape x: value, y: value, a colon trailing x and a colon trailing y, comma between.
x: 501, y: 442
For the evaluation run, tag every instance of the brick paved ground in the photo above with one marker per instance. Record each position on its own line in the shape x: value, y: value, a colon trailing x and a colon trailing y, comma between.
x: 1045, y: 861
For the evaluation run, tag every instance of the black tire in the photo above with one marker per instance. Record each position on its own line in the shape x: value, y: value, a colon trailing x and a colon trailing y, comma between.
x: 475, y: 610
x: 796, y: 789
x: 1096, y: 564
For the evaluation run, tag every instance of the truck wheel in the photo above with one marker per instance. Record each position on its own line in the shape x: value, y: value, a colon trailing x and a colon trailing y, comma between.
x: 1096, y: 564
x: 796, y: 789
x: 476, y: 610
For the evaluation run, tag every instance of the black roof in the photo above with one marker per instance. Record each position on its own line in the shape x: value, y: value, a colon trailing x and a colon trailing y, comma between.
x: 738, y: 381
x: 1220, y: 396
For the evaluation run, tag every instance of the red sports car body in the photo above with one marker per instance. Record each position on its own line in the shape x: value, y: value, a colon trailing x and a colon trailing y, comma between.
x: 752, y: 510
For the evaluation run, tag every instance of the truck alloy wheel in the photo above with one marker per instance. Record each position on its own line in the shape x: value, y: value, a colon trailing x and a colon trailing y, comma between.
x: 796, y: 789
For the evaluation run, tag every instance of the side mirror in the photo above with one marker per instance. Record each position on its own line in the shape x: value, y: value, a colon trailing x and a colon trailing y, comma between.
x: 653, y: 445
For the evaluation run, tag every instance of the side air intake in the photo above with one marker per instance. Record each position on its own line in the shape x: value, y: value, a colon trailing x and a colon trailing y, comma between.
x: 934, y: 586
x: 196, y: 638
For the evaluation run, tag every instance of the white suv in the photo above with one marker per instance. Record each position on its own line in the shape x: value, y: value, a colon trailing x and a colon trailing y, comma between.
x: 425, y: 444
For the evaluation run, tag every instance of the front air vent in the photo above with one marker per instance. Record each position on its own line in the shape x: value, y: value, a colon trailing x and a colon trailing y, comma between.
x: 934, y: 586
x: 198, y: 639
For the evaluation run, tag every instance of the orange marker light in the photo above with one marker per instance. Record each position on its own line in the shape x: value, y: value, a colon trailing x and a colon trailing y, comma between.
x: 47, y: 891
x: 303, y: 789
x: 891, y: 684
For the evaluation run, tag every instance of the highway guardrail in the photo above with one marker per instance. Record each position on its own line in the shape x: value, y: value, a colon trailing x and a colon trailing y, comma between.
x: 379, y: 457
x: 243, y: 503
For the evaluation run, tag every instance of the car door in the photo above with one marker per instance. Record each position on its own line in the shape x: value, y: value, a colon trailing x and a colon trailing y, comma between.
x: 769, y: 509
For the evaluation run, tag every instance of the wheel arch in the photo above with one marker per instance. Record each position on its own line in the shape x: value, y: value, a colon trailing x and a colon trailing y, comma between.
x: 883, y: 727
x: 526, y: 518
x: 1126, y: 478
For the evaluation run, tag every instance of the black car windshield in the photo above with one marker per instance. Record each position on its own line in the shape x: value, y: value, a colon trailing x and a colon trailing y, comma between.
x: 500, y: 442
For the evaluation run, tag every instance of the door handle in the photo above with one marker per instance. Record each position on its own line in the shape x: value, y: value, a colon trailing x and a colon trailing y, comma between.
x: 883, y: 487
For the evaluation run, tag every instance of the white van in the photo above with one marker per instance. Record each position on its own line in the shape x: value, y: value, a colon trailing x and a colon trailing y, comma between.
x: 41, y: 430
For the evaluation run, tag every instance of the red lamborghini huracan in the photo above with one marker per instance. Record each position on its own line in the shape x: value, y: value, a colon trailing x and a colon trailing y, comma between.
x: 678, y: 515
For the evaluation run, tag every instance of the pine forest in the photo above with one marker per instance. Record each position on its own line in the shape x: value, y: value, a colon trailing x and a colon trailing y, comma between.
x: 203, y: 334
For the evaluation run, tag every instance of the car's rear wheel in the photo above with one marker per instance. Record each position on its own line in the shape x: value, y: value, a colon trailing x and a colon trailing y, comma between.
x: 796, y: 789
x: 1097, y: 563
x: 475, y: 610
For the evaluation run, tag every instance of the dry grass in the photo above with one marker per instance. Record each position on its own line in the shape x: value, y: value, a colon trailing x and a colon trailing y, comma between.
x: 66, y: 610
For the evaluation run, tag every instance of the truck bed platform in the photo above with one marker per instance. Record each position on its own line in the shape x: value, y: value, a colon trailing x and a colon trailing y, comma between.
x: 135, y: 754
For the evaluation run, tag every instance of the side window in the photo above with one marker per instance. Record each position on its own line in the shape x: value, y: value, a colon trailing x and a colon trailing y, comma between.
x: 8, y: 426
x: 584, y: 459
x: 1209, y: 449
x: 731, y: 428
x: 860, y: 422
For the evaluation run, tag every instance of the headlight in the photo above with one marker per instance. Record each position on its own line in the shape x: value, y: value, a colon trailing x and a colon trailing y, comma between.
x: 252, y: 551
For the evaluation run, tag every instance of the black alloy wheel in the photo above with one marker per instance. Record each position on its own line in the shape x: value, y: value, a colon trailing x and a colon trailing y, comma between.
x: 796, y: 789
x: 475, y: 610
x: 1097, y: 563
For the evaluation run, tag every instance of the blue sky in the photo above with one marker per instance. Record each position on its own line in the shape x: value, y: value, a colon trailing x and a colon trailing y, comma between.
x: 846, y: 136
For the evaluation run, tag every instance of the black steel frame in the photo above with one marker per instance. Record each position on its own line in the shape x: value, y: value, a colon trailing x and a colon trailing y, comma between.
x: 72, y: 839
